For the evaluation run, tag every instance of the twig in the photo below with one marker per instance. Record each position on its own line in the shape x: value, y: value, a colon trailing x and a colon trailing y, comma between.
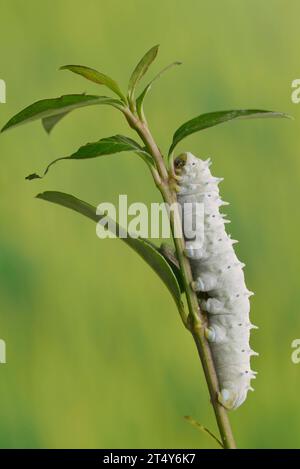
x: 197, y: 321
x: 202, y: 428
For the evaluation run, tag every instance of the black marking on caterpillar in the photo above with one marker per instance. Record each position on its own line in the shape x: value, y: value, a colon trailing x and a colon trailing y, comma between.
x: 218, y: 273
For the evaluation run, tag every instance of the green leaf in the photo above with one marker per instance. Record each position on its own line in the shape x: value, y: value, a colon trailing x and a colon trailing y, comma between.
x: 210, y: 119
x: 146, y: 158
x: 143, y: 247
x: 47, y: 108
x: 97, y: 77
x: 104, y: 146
x: 202, y: 428
x: 140, y: 99
x: 141, y: 69
x: 169, y: 254
x: 50, y: 122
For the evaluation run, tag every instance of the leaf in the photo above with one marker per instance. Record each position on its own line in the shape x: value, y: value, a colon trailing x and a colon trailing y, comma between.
x: 201, y: 428
x: 143, y: 247
x: 141, y: 69
x: 169, y: 254
x: 214, y: 118
x: 140, y: 99
x: 47, y: 108
x: 95, y: 76
x: 146, y: 158
x: 50, y: 122
x: 104, y: 146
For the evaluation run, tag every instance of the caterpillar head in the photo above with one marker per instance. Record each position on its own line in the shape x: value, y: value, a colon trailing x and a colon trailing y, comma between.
x: 187, y: 163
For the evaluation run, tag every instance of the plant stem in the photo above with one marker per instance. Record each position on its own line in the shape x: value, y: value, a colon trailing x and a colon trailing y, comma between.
x: 197, y: 320
x: 142, y: 129
x: 198, y: 323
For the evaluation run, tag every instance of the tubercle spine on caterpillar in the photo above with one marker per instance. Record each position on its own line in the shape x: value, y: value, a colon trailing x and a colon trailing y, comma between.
x: 218, y: 273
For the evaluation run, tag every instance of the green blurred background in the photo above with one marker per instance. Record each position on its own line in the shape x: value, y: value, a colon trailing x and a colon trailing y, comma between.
x: 96, y: 353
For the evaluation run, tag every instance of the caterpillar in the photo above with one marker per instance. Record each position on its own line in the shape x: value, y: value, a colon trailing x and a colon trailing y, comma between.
x: 218, y: 279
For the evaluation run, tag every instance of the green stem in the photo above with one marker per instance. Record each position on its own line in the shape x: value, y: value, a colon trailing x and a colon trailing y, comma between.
x: 143, y: 131
x: 198, y: 323
x: 197, y: 320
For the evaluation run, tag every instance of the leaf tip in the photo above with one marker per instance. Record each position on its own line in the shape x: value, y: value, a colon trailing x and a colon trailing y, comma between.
x: 30, y: 177
x: 283, y: 115
x: 4, y: 128
x: 47, y: 129
x: 68, y: 67
x: 155, y: 49
x: 41, y: 195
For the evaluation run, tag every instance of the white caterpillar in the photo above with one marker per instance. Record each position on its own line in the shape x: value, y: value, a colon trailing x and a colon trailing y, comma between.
x: 218, y: 272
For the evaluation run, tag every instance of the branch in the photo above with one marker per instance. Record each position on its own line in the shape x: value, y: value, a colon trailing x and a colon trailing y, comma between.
x: 197, y: 320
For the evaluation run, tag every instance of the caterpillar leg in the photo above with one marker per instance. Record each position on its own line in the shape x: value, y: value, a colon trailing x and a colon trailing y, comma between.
x: 231, y: 399
x: 215, y: 334
x: 207, y: 284
x: 193, y: 253
x: 177, y: 188
x: 210, y: 334
x: 227, y: 398
x: 177, y: 177
x: 212, y: 306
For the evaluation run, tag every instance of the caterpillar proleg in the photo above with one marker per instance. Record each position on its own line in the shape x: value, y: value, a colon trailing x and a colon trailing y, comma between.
x: 219, y: 280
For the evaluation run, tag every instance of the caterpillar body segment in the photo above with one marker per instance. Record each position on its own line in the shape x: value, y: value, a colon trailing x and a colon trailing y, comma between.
x: 218, y: 272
